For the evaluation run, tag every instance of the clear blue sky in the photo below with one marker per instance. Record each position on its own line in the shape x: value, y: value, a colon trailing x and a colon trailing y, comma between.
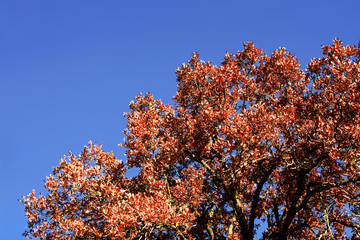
x: 68, y: 69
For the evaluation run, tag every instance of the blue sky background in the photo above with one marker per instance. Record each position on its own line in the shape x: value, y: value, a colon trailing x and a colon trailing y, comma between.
x: 68, y: 69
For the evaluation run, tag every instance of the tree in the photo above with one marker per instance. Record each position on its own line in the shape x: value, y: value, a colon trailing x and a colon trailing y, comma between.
x: 253, y: 146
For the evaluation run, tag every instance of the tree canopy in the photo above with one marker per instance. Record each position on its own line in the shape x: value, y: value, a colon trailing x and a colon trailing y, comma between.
x: 255, y: 146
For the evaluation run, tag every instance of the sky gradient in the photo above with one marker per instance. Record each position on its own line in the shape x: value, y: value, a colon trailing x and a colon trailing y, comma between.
x: 68, y: 69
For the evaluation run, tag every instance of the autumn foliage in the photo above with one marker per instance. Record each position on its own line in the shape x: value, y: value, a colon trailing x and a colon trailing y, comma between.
x: 253, y: 147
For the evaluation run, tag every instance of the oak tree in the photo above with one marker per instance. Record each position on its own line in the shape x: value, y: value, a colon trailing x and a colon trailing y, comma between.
x: 253, y: 147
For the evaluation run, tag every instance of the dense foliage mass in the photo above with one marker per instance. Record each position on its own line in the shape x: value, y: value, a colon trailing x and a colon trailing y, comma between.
x: 255, y: 146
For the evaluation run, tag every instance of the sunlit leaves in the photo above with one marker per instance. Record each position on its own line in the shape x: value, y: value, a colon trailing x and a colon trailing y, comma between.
x: 253, y: 140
